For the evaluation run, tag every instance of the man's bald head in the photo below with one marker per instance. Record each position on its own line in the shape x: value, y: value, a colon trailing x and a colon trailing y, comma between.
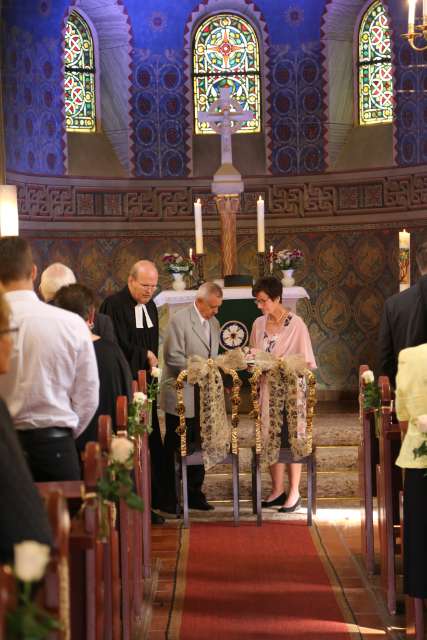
x: 142, y: 281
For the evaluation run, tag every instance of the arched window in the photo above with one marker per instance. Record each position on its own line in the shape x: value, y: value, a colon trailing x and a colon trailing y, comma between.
x: 226, y: 53
x: 79, y: 80
x: 375, y: 70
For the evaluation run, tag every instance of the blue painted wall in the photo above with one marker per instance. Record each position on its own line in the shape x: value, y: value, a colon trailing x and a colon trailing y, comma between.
x: 33, y: 96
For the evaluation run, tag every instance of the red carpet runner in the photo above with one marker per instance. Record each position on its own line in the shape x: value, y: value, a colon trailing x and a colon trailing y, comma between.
x: 249, y: 583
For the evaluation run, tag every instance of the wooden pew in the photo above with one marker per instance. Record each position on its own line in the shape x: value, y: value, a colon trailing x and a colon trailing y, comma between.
x: 7, y: 597
x: 389, y: 484
x: 86, y: 550
x: 143, y: 484
x: 368, y: 458
x: 112, y: 594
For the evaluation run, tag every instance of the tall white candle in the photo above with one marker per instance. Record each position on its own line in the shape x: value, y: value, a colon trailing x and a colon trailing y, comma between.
x: 411, y: 15
x: 404, y: 239
x: 260, y: 225
x: 424, y: 12
x: 198, y: 226
x: 9, y: 219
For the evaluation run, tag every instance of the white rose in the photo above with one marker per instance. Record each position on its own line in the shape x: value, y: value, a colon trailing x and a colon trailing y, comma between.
x: 422, y: 423
x: 121, y: 450
x: 139, y: 397
x: 31, y: 559
x: 368, y: 376
x: 156, y: 372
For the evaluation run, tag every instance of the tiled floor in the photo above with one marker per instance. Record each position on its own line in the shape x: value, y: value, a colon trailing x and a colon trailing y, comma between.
x: 340, y: 534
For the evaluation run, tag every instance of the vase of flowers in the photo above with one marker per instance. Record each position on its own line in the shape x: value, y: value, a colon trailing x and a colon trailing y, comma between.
x: 287, y: 261
x: 178, y: 266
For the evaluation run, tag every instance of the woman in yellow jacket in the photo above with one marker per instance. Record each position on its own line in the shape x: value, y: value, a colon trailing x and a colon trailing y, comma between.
x: 411, y: 405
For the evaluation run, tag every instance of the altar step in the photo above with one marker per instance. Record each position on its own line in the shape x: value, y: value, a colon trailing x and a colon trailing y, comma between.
x: 336, y: 435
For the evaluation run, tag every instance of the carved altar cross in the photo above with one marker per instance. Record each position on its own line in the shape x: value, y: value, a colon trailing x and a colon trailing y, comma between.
x: 224, y: 121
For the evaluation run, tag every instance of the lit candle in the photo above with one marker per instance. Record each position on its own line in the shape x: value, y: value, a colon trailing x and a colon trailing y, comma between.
x: 424, y: 12
x: 198, y: 226
x: 271, y: 254
x: 9, y: 220
x: 411, y: 15
x: 260, y: 225
x: 190, y: 253
x: 404, y: 239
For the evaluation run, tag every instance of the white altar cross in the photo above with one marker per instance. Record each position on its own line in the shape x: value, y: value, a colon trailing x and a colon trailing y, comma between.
x: 226, y: 117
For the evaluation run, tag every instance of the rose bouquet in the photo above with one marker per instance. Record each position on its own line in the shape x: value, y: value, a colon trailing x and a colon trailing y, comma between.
x: 174, y: 263
x: 287, y: 259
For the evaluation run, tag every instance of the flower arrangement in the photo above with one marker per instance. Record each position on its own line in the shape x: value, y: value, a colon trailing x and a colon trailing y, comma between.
x: 422, y: 425
x: 140, y: 409
x: 28, y: 621
x: 287, y: 259
x: 174, y: 263
x: 371, y: 395
x: 116, y: 482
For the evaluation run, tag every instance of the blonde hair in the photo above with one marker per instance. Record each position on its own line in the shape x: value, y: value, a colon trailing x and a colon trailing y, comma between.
x: 4, y: 311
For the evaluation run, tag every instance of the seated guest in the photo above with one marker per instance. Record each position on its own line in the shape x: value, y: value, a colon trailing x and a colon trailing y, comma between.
x: 22, y: 515
x: 114, y: 373
x: 282, y: 333
x: 58, y: 275
x: 51, y: 389
x: 411, y: 405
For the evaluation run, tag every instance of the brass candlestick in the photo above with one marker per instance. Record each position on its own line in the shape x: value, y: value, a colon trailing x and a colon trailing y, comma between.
x: 261, y: 264
x: 200, y: 269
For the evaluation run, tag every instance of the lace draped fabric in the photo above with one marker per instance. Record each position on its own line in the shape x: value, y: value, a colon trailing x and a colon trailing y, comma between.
x: 216, y: 433
x: 287, y: 385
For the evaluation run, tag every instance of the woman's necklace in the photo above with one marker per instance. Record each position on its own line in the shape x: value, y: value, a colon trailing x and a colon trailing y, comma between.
x: 280, y: 321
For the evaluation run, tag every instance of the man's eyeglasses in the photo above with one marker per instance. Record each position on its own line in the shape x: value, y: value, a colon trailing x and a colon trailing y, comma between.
x: 148, y: 287
x: 4, y: 332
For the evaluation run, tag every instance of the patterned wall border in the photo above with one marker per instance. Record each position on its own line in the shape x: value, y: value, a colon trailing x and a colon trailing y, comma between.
x: 251, y: 11
x: 393, y: 196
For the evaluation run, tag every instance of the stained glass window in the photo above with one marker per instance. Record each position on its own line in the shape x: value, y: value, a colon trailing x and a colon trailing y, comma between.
x: 79, y: 80
x: 375, y: 70
x: 226, y: 53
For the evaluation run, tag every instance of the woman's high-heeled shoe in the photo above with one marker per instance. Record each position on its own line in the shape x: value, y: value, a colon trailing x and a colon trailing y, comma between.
x: 291, y: 509
x: 275, y: 502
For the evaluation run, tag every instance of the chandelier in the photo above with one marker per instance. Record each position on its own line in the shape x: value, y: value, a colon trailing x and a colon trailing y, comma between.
x: 417, y: 32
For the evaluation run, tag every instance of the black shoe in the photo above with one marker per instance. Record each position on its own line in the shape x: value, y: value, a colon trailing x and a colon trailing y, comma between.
x: 274, y: 503
x: 291, y: 509
x: 201, y: 504
x: 156, y: 518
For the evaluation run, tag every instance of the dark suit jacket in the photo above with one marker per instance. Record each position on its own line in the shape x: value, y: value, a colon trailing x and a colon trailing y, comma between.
x: 103, y: 327
x: 403, y: 324
x: 22, y: 514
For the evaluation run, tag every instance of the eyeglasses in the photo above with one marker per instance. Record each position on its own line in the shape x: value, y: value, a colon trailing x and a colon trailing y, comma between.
x: 4, y: 332
x: 260, y: 302
x: 150, y: 287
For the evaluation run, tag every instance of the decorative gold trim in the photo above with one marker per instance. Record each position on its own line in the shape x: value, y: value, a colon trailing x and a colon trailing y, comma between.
x: 256, y: 414
x: 182, y: 428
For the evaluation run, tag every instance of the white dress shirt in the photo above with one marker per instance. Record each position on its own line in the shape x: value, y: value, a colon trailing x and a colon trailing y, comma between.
x: 53, y: 378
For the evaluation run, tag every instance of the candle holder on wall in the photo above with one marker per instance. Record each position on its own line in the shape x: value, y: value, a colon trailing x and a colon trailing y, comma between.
x: 261, y: 264
x: 200, y: 269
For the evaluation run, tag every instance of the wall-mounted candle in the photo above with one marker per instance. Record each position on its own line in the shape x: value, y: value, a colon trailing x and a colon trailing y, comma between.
x: 198, y: 226
x: 260, y: 225
x: 9, y: 219
x: 424, y: 11
x: 411, y: 15
x: 404, y: 239
x: 271, y: 257
x: 190, y: 253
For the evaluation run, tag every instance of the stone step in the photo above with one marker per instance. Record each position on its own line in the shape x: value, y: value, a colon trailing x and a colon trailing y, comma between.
x: 340, y: 484
x: 329, y: 458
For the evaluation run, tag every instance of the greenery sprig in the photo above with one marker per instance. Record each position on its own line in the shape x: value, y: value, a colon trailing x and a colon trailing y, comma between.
x: 372, y: 397
x: 28, y: 621
x: 116, y: 483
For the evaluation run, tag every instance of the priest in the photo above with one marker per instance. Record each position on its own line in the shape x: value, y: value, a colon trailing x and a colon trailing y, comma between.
x: 136, y: 325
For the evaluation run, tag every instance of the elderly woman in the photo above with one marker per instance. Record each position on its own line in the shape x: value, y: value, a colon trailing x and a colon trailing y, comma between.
x: 411, y: 405
x: 282, y: 333
x: 22, y: 515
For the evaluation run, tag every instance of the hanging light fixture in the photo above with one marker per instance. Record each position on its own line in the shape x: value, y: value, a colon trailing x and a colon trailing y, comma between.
x: 416, y: 32
x: 9, y: 221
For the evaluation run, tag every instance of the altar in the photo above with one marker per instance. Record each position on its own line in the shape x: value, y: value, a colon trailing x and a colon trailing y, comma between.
x: 235, y: 315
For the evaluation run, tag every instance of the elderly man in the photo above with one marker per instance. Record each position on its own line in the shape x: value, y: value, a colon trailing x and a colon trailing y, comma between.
x: 136, y: 325
x: 192, y: 331
x: 51, y: 389
x: 58, y: 275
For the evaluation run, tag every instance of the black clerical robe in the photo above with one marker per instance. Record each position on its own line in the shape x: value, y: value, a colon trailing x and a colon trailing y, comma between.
x: 135, y: 344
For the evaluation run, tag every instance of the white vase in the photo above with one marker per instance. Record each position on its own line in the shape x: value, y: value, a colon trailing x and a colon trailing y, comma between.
x: 178, y: 283
x: 288, y: 280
